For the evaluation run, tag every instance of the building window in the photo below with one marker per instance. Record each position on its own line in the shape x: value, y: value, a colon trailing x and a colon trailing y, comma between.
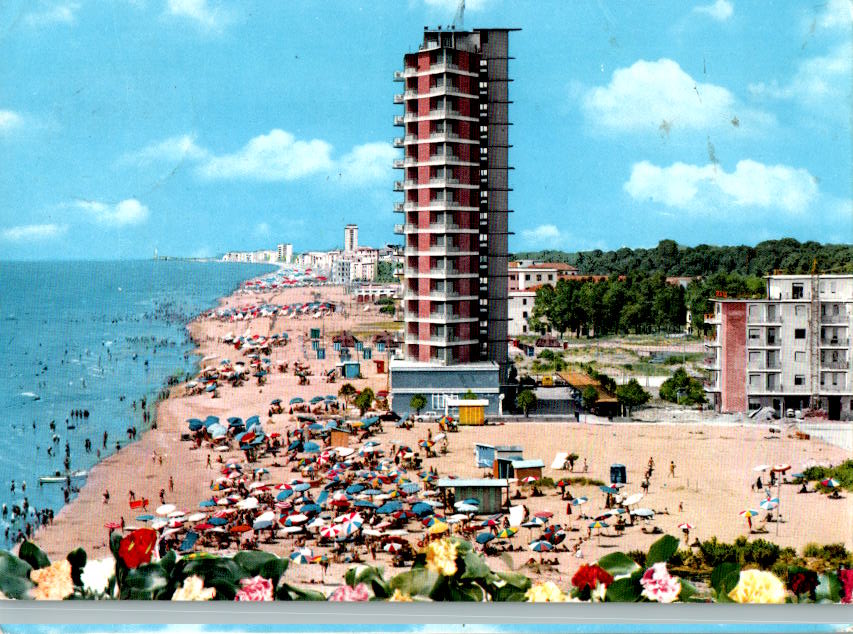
x: 527, y: 277
x: 799, y: 333
x: 799, y: 357
x: 796, y: 291
x: 524, y: 301
x: 524, y: 329
x: 754, y: 334
x: 799, y: 380
x: 800, y: 310
x: 538, y: 278
x: 524, y: 314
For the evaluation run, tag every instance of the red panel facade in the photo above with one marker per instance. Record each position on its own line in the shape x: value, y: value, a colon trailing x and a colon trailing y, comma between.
x: 733, y: 379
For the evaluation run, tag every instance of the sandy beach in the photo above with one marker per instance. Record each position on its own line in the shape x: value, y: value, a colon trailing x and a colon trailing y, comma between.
x: 713, y: 462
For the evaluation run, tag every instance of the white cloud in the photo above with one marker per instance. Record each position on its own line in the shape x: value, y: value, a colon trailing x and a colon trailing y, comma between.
x: 127, y: 212
x: 9, y: 120
x: 649, y: 96
x: 542, y: 236
x: 822, y: 80
x: 836, y: 14
x: 277, y: 156
x: 710, y: 189
x: 176, y: 149
x: 56, y: 13
x: 367, y: 164
x: 199, y: 11
x: 28, y: 233
x: 721, y: 10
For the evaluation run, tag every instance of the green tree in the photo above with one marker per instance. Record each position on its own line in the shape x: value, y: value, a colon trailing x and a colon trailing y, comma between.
x: 364, y: 400
x: 632, y: 395
x: 388, y: 309
x: 346, y: 392
x: 589, y: 396
x: 469, y: 396
x: 525, y: 401
x: 418, y: 402
x: 385, y: 273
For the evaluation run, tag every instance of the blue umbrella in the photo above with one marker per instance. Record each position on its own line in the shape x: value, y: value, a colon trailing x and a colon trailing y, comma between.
x: 372, y: 492
x: 355, y: 488
x: 284, y: 494
x: 211, y: 388
x: 410, y: 487
x: 145, y: 518
x: 217, y: 430
x: 390, y: 507
x: 315, y: 427
x: 541, y: 546
x: 607, y: 489
x: 316, y: 400
x: 364, y: 504
x: 262, y: 524
x: 296, y: 399
x: 234, y: 420
x: 301, y: 486
x: 217, y: 521
x: 472, y: 501
x: 211, y: 420
x: 310, y: 508
x: 331, y: 397
x: 252, y: 420
x: 421, y: 509
x: 293, y: 445
x: 207, y: 503
x: 311, y: 447
x: 195, y: 424
x: 482, y: 538
x: 370, y: 420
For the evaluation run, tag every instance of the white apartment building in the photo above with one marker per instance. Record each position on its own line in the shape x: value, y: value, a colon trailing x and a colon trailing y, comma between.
x: 284, y: 253
x: 350, y: 238
x: 520, y: 307
x: 790, y: 350
x: 526, y: 274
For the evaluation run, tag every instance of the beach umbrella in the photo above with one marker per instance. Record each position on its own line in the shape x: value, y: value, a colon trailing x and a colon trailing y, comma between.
x: 165, y: 509
x: 506, y: 532
x: 206, y: 503
x: 544, y: 514
x: 410, y: 487
x: 301, y: 556
x: 310, y: 508
x: 632, y: 499
x: 422, y: 509
x: 311, y: 447
x: 217, y: 521
x: 331, y: 531
x: 389, y: 507
x: 599, y: 524
x: 607, y: 489
x: 202, y: 527
x: 156, y: 525
x: 557, y: 537
x: 145, y: 518
x: 240, y: 528
x: 490, y: 521
x: 350, y: 527
x: 248, y: 504
x: 830, y: 483
x: 315, y: 400
x: 769, y: 505
x: 196, y: 517
x: 364, y: 504
x: 295, y: 519
x: 781, y: 468
x: 283, y: 495
x: 483, y: 538
x: 195, y: 424
x: 643, y: 512
x: 355, y: 488
x: 262, y: 524
x: 748, y: 513
x: 529, y: 479
x: 392, y: 547
x: 541, y: 546
x: 438, y: 528
x: 579, y: 501
x: 296, y: 399
x: 466, y: 508
x: 761, y: 467
x: 685, y: 526
x: 275, y: 401
x: 301, y: 486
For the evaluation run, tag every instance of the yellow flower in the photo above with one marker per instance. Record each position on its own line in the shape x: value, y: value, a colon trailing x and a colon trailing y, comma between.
x: 441, y: 557
x: 758, y: 586
x: 400, y: 596
x: 545, y: 592
x: 52, y: 583
x: 193, y: 590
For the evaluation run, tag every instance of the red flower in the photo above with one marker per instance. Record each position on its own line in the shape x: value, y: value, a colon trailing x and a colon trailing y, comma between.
x: 591, y: 576
x: 845, y: 576
x: 138, y: 547
x: 348, y: 593
x: 804, y: 582
x: 254, y: 589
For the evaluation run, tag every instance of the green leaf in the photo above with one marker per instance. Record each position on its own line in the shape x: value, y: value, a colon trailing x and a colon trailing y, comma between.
x: 168, y: 561
x: 33, y: 555
x: 475, y: 567
x: 722, y: 572
x: 828, y: 588
x: 419, y: 581
x: 507, y: 559
x: 687, y: 590
x: 288, y: 592
x: 349, y: 577
x: 14, y: 576
x: 252, y: 560
x: 623, y: 591
x: 219, y: 572
x: 77, y: 559
x: 516, y: 580
x: 471, y: 592
x: 618, y: 564
x: 148, y: 581
x: 662, y: 550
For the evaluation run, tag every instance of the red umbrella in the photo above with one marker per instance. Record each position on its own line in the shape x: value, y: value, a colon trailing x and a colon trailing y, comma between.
x: 112, y: 525
x: 240, y: 528
x: 203, y: 527
x: 545, y: 514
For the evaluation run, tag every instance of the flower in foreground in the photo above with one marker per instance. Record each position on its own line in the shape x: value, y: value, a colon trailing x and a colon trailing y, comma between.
x: 845, y: 576
x: 193, y: 590
x: 254, y: 589
x: 52, y: 583
x: 441, y: 557
x: 544, y: 592
x: 591, y: 576
x: 803, y: 582
x: 348, y: 593
x: 400, y: 596
x: 97, y: 573
x: 138, y: 547
x: 659, y: 585
x: 758, y: 586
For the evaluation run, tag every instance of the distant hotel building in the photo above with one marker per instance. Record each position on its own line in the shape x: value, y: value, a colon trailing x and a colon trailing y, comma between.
x: 284, y: 253
x: 524, y: 278
x: 350, y: 238
x: 788, y: 351
x: 455, y: 210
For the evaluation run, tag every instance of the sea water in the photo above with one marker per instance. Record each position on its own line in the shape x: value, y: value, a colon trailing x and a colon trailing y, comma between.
x: 96, y: 336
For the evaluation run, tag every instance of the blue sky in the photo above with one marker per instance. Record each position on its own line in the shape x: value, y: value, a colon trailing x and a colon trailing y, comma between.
x: 198, y: 126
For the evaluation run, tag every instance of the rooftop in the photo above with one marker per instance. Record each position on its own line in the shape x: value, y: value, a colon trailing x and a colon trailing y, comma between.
x: 473, y: 482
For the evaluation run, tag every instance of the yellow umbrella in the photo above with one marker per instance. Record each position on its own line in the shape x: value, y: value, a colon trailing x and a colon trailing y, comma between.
x: 438, y: 528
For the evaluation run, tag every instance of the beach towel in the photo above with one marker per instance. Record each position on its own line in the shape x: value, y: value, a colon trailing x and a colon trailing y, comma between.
x: 516, y: 515
x: 559, y: 460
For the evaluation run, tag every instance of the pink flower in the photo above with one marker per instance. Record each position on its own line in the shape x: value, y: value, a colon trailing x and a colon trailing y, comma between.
x: 348, y: 593
x: 845, y: 576
x: 255, y: 589
x: 659, y: 585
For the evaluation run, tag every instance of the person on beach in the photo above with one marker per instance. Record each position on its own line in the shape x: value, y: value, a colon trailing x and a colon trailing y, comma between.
x: 131, y: 495
x: 672, y: 468
x: 171, y: 485
x: 162, y: 496
x: 106, y: 496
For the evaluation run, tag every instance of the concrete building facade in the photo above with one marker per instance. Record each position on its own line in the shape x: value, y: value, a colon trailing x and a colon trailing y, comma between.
x: 350, y: 238
x: 790, y: 350
x: 455, y: 208
x: 284, y: 253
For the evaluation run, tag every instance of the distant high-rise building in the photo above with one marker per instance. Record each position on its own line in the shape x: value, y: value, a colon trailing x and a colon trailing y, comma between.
x: 350, y: 238
x: 284, y: 253
x: 455, y: 205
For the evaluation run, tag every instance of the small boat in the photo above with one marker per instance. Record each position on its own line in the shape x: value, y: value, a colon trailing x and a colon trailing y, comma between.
x: 58, y: 478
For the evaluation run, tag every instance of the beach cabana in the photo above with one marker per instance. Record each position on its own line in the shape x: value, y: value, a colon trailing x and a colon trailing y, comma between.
x: 527, y: 469
x: 489, y: 491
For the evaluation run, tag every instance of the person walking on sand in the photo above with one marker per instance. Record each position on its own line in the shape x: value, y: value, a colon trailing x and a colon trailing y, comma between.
x: 162, y: 496
x: 131, y: 495
x: 672, y: 468
x: 171, y: 485
x: 208, y: 461
x: 106, y: 496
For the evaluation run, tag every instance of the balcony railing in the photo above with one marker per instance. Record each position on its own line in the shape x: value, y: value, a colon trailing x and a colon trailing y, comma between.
x: 399, y: 119
x: 399, y: 75
x: 828, y: 387
x: 834, y: 319
x: 399, y: 206
x: 398, y: 229
x: 835, y: 365
x: 398, y: 163
x: 398, y: 186
x: 398, y: 98
x: 834, y: 341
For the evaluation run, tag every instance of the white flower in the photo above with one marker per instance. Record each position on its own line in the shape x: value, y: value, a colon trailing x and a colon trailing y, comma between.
x: 597, y: 595
x: 97, y: 573
x: 659, y: 585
